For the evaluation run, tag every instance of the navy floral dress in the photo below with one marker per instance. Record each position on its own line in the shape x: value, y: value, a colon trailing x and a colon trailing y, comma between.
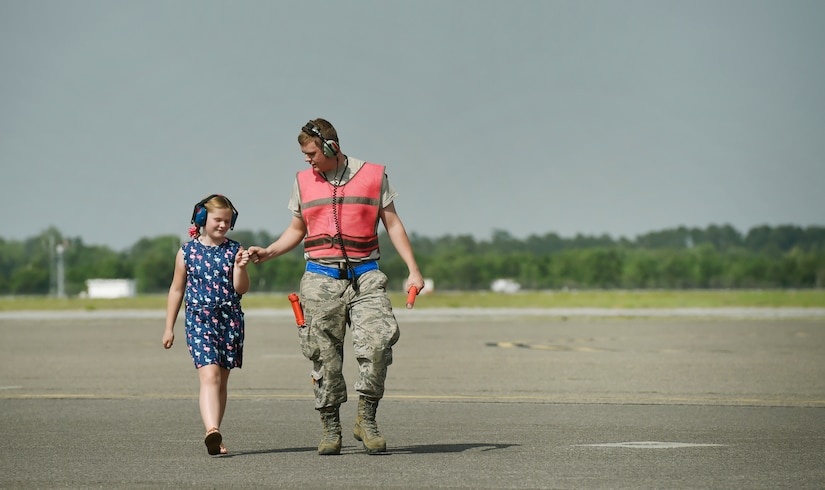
x: 214, y: 319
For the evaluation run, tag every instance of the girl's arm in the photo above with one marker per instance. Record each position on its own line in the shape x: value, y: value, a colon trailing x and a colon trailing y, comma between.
x: 174, y: 300
x: 240, y: 276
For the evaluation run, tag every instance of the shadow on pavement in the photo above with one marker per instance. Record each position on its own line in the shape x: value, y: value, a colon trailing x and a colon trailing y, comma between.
x: 448, y: 448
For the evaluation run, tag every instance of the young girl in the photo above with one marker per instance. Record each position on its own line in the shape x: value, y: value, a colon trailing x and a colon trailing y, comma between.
x: 210, y: 274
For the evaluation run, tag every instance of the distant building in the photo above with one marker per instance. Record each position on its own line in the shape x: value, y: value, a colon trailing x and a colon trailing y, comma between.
x: 110, y: 288
x: 505, y: 286
x: 429, y: 286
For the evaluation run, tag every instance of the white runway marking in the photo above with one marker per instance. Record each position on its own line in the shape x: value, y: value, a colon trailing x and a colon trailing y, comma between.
x: 650, y: 445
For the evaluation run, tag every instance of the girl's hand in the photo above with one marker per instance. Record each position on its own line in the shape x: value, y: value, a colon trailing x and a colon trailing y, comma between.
x: 168, y: 339
x: 242, y: 258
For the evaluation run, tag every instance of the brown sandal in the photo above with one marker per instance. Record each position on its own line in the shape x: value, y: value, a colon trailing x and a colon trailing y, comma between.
x: 213, y: 441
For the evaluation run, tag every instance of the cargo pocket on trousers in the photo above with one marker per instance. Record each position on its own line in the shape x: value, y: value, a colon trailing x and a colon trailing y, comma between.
x: 309, y: 344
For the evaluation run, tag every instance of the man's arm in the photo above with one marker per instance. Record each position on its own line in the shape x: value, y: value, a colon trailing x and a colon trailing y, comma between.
x: 401, y: 242
x: 289, y: 239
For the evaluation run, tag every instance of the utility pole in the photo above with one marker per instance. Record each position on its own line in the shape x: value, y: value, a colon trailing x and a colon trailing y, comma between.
x: 61, y: 276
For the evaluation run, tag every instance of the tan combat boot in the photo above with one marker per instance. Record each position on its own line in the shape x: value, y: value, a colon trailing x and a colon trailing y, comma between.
x: 331, y: 440
x: 366, y: 428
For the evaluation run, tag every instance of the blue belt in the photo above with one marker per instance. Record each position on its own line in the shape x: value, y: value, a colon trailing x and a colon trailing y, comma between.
x: 337, y: 273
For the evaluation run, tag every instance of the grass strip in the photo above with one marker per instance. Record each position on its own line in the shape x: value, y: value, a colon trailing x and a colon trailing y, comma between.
x: 769, y: 298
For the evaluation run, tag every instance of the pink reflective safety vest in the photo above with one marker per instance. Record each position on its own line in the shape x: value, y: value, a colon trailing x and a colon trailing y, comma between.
x: 358, y: 200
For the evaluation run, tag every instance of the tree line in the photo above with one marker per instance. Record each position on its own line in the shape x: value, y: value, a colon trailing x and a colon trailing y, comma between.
x: 785, y: 256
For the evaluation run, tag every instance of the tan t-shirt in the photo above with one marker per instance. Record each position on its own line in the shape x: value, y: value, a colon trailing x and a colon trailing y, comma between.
x: 352, y: 165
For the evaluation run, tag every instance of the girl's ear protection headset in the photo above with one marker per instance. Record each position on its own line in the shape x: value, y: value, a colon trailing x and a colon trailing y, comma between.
x: 199, y: 213
x: 330, y: 147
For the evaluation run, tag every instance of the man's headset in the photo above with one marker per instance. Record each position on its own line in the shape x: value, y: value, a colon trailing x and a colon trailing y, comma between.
x: 199, y: 213
x: 330, y: 147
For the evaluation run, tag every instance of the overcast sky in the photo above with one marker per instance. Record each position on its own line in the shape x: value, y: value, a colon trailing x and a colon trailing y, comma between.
x: 618, y: 117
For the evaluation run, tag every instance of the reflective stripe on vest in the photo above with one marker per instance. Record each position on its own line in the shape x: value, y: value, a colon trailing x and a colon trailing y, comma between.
x: 359, y: 202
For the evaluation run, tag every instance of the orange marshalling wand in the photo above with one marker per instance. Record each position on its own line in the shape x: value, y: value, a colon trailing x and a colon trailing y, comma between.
x: 296, y: 308
x: 411, y: 297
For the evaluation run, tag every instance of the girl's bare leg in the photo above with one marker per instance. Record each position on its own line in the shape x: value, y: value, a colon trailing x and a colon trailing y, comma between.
x: 212, y: 398
x: 224, y: 383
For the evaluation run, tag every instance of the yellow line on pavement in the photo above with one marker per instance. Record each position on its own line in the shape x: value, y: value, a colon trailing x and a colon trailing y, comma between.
x: 550, y: 399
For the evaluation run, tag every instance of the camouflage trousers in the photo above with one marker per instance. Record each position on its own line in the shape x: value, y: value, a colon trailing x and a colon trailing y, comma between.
x: 330, y: 305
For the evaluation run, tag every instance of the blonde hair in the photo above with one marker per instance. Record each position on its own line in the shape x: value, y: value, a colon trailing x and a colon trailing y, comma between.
x: 210, y: 204
x: 218, y: 202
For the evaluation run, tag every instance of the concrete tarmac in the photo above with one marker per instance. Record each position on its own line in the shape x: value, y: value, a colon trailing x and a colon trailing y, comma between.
x: 474, y: 400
